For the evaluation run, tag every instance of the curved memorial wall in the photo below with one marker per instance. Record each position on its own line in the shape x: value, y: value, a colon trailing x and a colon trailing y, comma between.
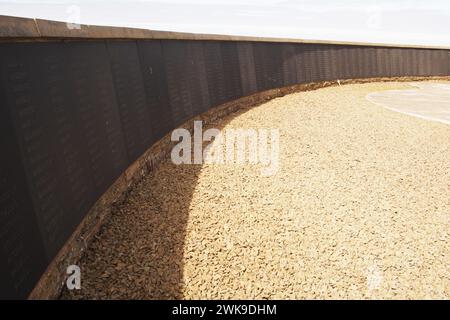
x: 79, y: 107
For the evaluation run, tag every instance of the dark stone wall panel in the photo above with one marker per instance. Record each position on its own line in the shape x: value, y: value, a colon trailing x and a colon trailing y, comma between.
x: 274, y: 65
x: 333, y: 61
x: 448, y: 63
x: 361, y: 68
x: 214, y: 72
x: 155, y: 84
x: 421, y: 59
x: 86, y: 135
x: 22, y: 255
x: 438, y: 62
x: 232, y: 74
x: 131, y: 98
x: 33, y: 123
x: 318, y: 63
x: 177, y: 65
x: 369, y: 61
x: 259, y: 57
x: 197, y: 79
x: 309, y: 65
x: 396, y: 63
x: 289, y: 64
x: 381, y: 62
x: 247, y: 68
x: 299, y: 63
x: 268, y: 65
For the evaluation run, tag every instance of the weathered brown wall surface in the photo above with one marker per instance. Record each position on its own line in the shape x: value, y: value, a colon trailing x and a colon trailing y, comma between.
x: 76, y: 113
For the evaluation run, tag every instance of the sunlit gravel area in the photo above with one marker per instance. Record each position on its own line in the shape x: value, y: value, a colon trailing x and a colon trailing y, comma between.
x: 359, y: 208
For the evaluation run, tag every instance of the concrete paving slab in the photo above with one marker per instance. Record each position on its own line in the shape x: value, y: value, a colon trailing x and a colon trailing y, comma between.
x: 430, y: 101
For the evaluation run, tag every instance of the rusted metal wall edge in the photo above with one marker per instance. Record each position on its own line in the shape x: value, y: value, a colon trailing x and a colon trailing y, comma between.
x: 53, y: 279
x: 28, y: 29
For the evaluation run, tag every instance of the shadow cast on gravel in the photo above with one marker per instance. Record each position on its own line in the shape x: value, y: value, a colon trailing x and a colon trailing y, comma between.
x: 139, y: 251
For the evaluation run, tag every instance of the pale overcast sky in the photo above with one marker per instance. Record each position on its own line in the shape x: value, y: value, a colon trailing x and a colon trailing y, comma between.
x: 395, y: 21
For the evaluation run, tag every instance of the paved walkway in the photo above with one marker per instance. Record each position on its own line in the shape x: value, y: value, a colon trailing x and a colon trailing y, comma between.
x: 430, y: 101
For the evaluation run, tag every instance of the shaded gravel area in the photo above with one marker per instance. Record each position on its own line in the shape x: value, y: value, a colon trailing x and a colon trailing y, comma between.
x: 359, y: 208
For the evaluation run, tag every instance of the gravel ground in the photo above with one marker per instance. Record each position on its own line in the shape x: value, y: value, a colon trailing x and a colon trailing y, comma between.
x: 358, y: 209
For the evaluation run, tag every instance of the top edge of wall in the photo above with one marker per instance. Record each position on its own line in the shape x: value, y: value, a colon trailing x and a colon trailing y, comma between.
x: 17, y: 29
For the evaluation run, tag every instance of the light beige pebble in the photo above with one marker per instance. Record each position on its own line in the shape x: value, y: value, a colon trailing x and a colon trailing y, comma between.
x: 360, y: 208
